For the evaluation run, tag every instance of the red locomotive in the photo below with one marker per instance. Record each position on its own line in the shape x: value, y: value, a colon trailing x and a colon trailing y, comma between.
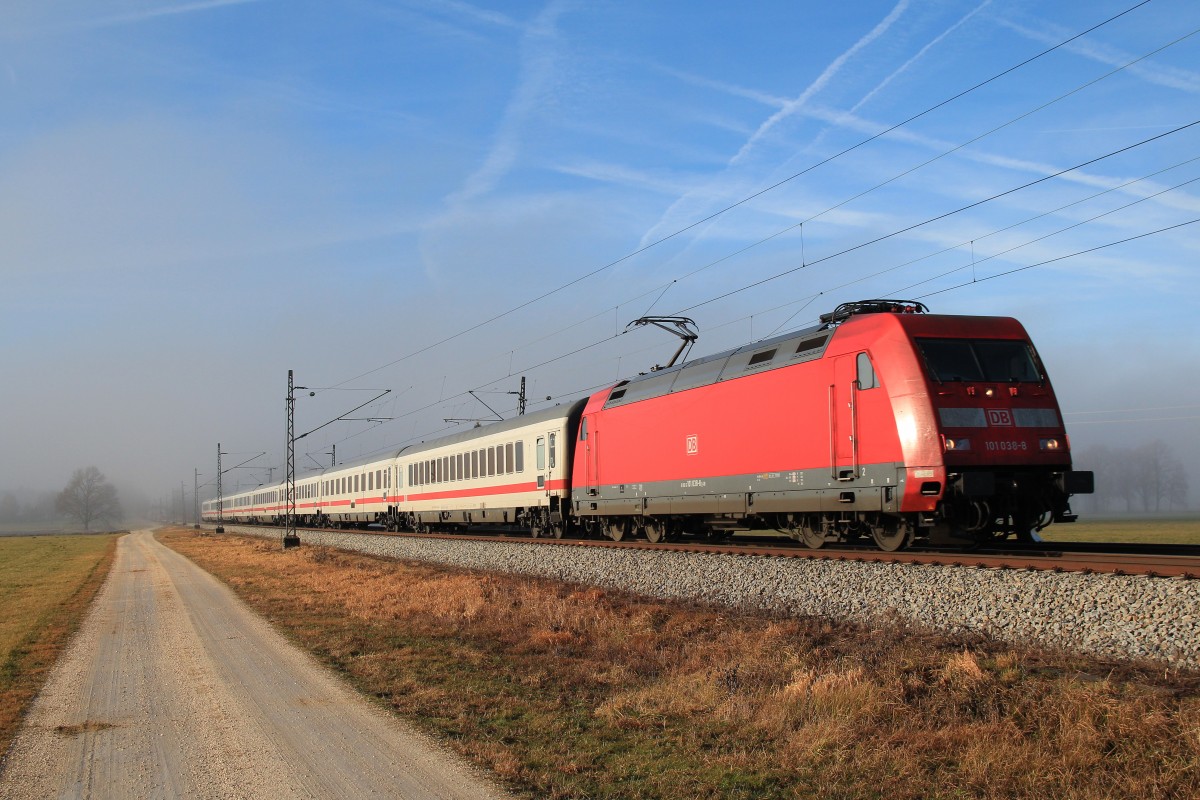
x: 883, y: 422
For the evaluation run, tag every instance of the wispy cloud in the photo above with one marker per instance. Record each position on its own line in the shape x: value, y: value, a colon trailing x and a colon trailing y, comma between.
x: 538, y: 64
x: 831, y: 71
x: 1171, y: 77
x: 785, y: 108
x: 919, y: 55
x: 164, y: 11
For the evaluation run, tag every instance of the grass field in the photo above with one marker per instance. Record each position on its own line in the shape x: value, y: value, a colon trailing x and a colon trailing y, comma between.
x: 566, y: 691
x: 46, y: 586
x: 1168, y: 530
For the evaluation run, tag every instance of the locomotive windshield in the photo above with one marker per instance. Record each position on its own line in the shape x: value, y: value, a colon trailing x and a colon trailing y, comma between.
x: 999, y: 360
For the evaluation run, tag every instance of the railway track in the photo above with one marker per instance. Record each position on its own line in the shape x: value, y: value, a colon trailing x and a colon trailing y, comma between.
x: 1162, y: 561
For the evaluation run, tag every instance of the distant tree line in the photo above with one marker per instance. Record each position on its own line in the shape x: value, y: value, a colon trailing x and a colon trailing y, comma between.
x: 1148, y: 478
x: 27, y: 506
x: 88, y: 499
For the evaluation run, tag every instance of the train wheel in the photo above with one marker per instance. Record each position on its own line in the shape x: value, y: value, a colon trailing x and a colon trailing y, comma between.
x: 812, y: 537
x: 656, y: 531
x: 558, y: 529
x: 615, y: 529
x: 891, y: 536
x: 537, y: 525
x: 589, y: 527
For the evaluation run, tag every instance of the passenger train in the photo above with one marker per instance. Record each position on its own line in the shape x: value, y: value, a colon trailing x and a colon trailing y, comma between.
x: 884, y: 423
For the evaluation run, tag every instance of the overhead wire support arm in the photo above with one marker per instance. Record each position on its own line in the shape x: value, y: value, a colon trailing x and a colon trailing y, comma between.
x: 485, y: 405
x: 683, y: 327
x: 345, y: 418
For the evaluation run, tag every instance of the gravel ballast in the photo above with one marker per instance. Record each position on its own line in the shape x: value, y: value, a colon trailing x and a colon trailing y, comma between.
x: 1103, y: 615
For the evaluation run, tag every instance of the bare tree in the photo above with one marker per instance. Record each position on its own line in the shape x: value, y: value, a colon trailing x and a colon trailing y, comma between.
x: 89, y: 497
x: 1144, y: 478
x: 1105, y: 465
x: 1155, y: 467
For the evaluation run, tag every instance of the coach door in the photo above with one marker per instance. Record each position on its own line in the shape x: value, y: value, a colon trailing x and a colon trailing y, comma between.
x: 843, y: 419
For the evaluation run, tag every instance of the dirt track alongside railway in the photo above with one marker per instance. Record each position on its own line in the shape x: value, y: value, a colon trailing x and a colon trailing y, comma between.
x: 173, y: 688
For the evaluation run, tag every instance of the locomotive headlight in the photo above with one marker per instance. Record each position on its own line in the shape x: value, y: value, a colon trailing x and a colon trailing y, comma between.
x: 956, y: 444
x: 1048, y: 444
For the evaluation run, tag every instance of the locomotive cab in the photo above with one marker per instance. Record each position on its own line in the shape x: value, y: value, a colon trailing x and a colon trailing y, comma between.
x: 1004, y: 448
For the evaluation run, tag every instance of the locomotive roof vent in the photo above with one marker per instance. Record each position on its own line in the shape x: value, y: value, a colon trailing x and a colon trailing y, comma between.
x: 847, y: 310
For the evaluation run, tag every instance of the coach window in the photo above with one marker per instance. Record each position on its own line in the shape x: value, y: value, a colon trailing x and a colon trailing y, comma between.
x: 370, y: 482
x: 491, y: 461
x: 866, y: 372
x: 552, y: 437
x: 541, y: 453
x: 508, y: 457
x: 445, y: 469
x: 520, y: 456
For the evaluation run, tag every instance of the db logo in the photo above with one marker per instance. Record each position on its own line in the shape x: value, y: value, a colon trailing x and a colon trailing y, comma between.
x: 999, y: 418
x: 693, y: 445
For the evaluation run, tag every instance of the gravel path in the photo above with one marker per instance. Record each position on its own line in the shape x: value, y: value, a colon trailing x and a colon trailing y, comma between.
x: 174, y: 689
x: 1104, y: 615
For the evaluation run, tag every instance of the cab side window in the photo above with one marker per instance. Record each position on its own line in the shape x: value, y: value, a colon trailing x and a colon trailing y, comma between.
x: 866, y: 373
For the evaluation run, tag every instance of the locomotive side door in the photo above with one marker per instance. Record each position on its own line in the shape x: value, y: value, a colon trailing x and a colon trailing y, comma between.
x: 588, y: 440
x: 843, y: 419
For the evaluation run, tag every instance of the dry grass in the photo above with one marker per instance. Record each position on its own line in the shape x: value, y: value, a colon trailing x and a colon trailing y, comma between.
x: 46, y: 586
x: 573, y: 692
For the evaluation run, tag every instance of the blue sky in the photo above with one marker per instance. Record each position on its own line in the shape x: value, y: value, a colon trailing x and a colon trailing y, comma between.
x: 197, y: 196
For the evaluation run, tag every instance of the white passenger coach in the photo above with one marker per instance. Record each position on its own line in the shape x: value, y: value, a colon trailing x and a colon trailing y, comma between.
x: 509, y: 473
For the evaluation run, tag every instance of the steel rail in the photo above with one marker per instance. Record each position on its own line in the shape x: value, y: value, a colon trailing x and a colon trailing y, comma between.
x: 1051, y: 557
